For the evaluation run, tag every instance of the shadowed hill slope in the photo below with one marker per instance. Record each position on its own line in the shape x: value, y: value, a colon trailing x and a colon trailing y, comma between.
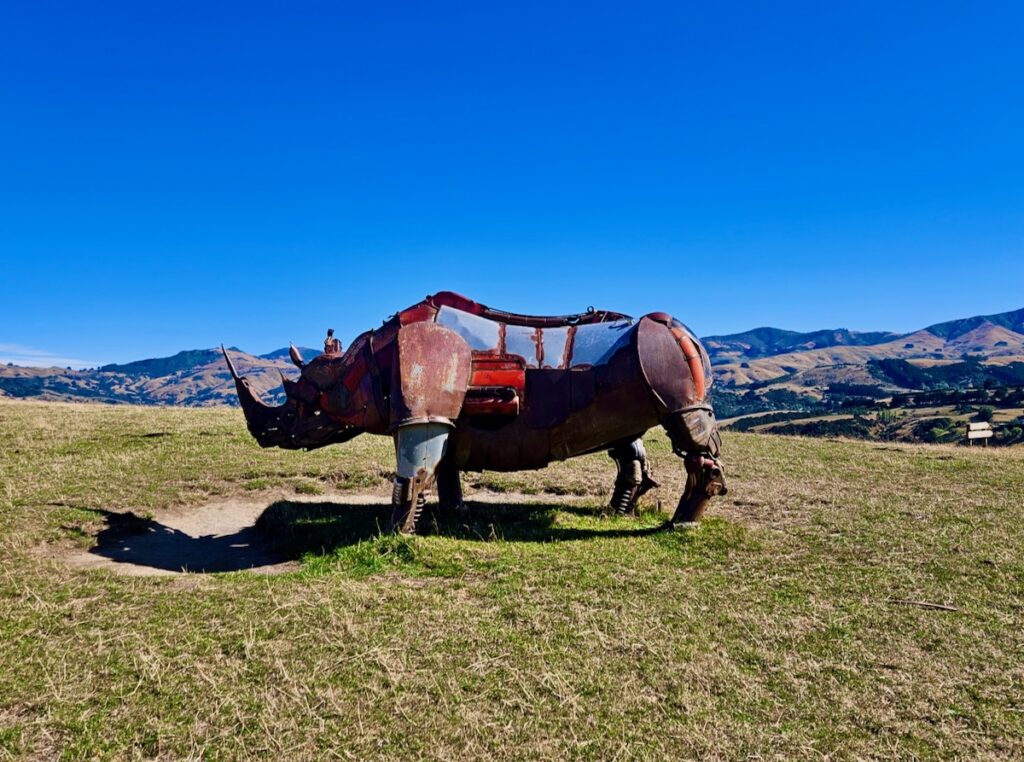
x: 1014, y: 321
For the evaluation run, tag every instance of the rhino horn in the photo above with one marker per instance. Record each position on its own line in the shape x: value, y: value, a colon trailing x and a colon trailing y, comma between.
x: 266, y: 423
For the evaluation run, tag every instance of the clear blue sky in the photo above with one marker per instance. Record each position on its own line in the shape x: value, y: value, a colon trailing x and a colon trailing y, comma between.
x: 174, y: 175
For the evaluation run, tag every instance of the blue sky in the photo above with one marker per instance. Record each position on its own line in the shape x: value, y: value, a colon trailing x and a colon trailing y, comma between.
x: 174, y: 175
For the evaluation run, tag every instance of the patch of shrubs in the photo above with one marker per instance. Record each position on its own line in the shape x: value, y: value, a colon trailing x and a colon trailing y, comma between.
x: 857, y: 427
x: 968, y: 373
x: 746, y: 424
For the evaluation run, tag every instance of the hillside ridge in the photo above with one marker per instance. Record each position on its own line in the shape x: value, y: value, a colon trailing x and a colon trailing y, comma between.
x: 762, y: 369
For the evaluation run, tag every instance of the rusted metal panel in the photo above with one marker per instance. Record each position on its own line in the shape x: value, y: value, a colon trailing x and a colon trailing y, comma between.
x: 323, y: 371
x: 303, y: 390
x: 664, y: 366
x: 430, y: 376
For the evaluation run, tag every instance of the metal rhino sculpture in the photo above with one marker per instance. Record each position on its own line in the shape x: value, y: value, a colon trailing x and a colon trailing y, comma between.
x: 463, y: 387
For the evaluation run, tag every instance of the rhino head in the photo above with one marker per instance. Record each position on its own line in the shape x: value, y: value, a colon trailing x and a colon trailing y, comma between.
x: 301, y: 423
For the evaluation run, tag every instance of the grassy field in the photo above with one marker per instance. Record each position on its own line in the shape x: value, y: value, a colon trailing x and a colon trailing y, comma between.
x: 794, y: 623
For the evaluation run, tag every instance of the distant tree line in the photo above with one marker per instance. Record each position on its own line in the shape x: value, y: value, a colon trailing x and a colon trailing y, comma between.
x: 970, y: 373
x: 730, y: 403
x: 998, y: 397
x: 746, y: 424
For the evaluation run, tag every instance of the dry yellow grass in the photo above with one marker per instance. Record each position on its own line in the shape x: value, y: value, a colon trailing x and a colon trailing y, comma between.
x: 780, y: 628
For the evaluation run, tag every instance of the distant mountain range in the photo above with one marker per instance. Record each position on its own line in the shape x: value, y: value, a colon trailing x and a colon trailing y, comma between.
x: 195, y: 378
x: 761, y: 369
x: 768, y: 342
x: 769, y: 369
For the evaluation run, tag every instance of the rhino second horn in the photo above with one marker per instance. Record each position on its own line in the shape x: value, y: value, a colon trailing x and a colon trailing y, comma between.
x: 295, y: 355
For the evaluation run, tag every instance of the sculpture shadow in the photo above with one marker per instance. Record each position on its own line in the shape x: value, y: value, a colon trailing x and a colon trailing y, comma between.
x: 295, y: 528
x: 131, y: 539
x: 287, y: 530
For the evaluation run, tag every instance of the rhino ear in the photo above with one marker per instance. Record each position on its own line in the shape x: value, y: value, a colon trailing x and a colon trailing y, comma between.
x: 295, y: 355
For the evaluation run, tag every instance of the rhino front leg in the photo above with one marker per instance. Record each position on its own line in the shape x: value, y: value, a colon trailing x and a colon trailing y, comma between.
x: 705, y: 478
x: 419, y: 449
x: 694, y: 435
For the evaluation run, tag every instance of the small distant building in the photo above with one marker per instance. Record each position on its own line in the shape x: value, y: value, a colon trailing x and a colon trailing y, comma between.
x: 979, y: 430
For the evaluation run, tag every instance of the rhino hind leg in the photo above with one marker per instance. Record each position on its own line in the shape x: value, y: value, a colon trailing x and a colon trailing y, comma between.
x: 633, y: 478
x: 419, y: 450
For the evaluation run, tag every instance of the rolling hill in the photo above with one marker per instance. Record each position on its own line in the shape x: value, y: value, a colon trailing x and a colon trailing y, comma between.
x: 193, y: 378
x: 993, y: 340
x: 763, y: 369
x: 766, y: 342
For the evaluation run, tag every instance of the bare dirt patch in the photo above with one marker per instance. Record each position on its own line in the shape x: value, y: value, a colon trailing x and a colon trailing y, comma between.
x: 217, y: 537
x: 222, y: 536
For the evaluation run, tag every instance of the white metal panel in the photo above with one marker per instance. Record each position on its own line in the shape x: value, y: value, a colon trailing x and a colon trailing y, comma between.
x: 480, y: 333
x: 522, y: 340
x: 596, y: 343
x: 554, y: 346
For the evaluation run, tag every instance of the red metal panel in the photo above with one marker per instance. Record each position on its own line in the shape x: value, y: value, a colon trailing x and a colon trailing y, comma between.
x: 417, y: 314
x: 498, y: 371
x: 496, y: 387
x: 455, y: 301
